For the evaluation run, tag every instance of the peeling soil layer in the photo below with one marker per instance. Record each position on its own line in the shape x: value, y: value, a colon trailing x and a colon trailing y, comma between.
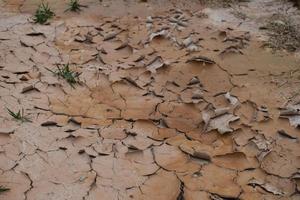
x: 171, y: 103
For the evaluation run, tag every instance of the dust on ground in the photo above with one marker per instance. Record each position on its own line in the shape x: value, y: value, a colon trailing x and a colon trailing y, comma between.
x: 173, y: 101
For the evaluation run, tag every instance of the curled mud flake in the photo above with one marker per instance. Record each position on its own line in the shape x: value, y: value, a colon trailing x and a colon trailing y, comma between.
x: 258, y: 177
x: 162, y: 33
x: 234, y: 101
x: 155, y: 64
x: 28, y: 89
x: 16, y: 66
x: 143, y: 162
x: 237, y: 161
x: 171, y: 158
x: 7, y: 130
x: 138, y: 142
x: 163, y: 133
x: 234, y: 49
x: 259, y: 146
x: 265, y: 186
x: 197, y: 150
x: 219, y: 121
x: 261, y: 142
x: 103, y: 148
x: 49, y: 123
x: 89, y: 151
x: 183, y: 117
x: 285, y: 134
x: 143, y: 128
x: 286, y: 186
x: 123, y: 45
x: 149, y: 23
x: 49, y: 32
x: 111, y: 35
x: 261, y: 114
x: 195, y: 80
x: 177, y: 140
x: 197, y: 96
x: 113, y: 133
x: 140, y: 108
x: 283, y: 164
x: 29, y: 41
x: 243, y: 136
x: 9, y: 77
x: 201, y: 59
x: 292, y: 112
x: 192, y: 48
x: 149, y: 19
x: 212, y: 179
x: 80, y: 38
x: 182, y: 124
x: 83, y: 56
x: 192, y: 96
x: 189, y: 44
x: 296, y: 177
x: 137, y: 57
x: 179, y: 21
x: 92, y: 123
x: 186, y: 42
x: 53, y: 120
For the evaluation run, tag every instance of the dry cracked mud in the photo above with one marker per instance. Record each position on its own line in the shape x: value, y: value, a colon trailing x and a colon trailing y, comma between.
x: 171, y: 104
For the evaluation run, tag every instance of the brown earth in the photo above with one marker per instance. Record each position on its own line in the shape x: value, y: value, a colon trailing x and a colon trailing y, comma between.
x: 173, y: 106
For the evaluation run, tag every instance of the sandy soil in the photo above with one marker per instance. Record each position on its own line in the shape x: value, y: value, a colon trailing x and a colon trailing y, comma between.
x: 174, y: 101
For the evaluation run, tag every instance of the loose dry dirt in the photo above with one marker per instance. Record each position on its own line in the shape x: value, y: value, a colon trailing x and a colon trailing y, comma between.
x: 173, y: 103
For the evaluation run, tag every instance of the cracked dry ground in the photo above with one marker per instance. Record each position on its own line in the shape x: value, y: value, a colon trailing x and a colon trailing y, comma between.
x: 168, y: 107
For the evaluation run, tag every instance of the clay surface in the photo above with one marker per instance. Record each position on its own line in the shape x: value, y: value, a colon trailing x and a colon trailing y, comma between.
x: 174, y: 101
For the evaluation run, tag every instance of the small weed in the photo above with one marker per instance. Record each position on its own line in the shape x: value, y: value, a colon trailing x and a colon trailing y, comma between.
x: 19, y: 116
x: 43, y: 13
x: 3, y: 189
x: 74, y: 6
x: 66, y: 73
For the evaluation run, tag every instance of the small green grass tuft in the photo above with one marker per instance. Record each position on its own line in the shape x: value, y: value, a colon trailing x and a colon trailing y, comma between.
x: 74, y: 6
x: 43, y: 13
x: 66, y: 73
x: 3, y: 189
x: 19, y: 116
